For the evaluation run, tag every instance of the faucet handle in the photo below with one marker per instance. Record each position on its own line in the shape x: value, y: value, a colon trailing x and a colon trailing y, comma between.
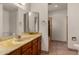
x: 19, y: 36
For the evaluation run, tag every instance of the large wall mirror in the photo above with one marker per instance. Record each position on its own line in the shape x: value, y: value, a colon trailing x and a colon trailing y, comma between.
x: 16, y: 20
x: 9, y: 19
x: 31, y: 22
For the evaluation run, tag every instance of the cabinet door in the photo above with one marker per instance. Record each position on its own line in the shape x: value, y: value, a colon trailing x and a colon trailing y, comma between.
x: 27, y: 49
x: 39, y: 45
x: 28, y: 52
x: 26, y: 46
x: 16, y: 52
x: 35, y: 47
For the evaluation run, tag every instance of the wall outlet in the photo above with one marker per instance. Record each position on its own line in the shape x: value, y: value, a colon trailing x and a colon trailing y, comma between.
x: 74, y: 38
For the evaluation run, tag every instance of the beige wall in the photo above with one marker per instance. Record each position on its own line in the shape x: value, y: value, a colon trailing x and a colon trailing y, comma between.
x: 20, y: 19
x: 6, y: 15
x: 73, y: 24
x: 59, y: 24
x: 20, y: 23
x: 42, y: 8
x: 12, y: 21
x: 1, y: 19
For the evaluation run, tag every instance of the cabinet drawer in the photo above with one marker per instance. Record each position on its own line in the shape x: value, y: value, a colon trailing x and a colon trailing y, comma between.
x: 26, y: 46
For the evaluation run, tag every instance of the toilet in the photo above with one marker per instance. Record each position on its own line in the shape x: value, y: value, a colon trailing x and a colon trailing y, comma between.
x: 77, y: 47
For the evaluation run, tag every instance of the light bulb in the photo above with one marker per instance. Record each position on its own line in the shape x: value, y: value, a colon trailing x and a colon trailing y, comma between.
x: 56, y: 6
x: 30, y: 13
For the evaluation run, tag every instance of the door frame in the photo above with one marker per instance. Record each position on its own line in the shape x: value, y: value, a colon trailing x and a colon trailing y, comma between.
x: 49, y: 19
x: 67, y: 29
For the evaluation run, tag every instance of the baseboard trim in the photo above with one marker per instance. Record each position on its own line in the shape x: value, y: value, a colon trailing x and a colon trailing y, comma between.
x: 46, y: 52
x: 73, y: 49
x: 59, y: 41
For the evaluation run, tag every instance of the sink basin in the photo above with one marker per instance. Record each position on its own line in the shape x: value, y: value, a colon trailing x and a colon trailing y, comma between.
x: 19, y: 40
x: 23, y: 37
x: 32, y: 33
x: 9, y: 43
x: 5, y: 38
x: 6, y: 43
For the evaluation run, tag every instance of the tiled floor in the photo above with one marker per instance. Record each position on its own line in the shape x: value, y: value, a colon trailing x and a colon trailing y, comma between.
x: 59, y: 48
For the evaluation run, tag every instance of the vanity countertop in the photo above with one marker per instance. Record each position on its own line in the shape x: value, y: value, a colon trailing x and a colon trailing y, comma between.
x: 11, y: 44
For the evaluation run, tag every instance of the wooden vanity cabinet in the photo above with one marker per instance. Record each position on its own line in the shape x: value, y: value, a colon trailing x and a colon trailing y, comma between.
x: 31, y: 48
x: 28, y: 52
x: 27, y: 49
x: 39, y: 45
x: 35, y: 47
x: 16, y: 52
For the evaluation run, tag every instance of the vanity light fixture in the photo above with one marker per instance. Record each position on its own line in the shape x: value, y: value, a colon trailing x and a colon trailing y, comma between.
x: 21, y: 5
x: 56, y: 6
x: 30, y: 13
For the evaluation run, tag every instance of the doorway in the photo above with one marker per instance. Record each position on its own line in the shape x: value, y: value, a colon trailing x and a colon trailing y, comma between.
x: 49, y: 30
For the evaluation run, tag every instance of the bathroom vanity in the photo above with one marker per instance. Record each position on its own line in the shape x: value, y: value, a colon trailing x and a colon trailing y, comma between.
x: 16, y: 21
x: 28, y: 45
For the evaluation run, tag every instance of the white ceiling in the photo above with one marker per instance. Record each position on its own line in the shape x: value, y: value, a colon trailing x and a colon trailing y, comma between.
x: 10, y: 6
x: 51, y: 6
